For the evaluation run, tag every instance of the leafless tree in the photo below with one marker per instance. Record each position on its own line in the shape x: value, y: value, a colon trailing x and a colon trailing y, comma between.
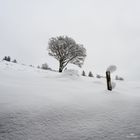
x: 66, y: 50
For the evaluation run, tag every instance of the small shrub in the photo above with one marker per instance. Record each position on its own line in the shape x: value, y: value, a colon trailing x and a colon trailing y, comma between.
x: 83, y: 73
x: 90, y: 74
x: 98, y: 76
x: 7, y: 58
x: 119, y: 78
x: 31, y: 66
x: 14, y: 61
x: 45, y: 67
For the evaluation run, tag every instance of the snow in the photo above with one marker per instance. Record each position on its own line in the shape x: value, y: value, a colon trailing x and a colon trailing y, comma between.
x: 112, y: 68
x: 70, y: 74
x: 38, y: 104
x: 113, y: 85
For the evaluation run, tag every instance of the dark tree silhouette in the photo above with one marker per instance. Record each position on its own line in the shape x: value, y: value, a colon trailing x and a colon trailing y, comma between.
x: 90, y: 74
x: 83, y: 73
x: 7, y: 58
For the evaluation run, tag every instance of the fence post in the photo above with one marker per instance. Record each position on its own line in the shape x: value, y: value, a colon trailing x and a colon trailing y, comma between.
x: 108, y: 80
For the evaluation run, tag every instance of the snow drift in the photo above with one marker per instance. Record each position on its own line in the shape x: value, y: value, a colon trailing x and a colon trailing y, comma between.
x: 37, y: 105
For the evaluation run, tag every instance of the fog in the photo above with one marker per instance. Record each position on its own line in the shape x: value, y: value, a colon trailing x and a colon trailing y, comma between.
x: 109, y: 30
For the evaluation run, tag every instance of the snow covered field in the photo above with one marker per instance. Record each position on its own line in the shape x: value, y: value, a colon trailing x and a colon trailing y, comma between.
x: 45, y: 105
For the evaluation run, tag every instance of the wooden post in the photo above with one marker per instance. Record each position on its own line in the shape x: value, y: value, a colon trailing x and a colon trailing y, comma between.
x: 108, y: 79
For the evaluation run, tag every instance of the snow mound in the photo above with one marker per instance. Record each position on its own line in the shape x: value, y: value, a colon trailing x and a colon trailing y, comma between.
x: 74, y: 74
x: 36, y: 105
x: 111, y: 68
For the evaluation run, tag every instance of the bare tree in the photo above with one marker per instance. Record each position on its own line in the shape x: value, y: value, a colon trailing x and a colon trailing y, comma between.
x: 66, y: 50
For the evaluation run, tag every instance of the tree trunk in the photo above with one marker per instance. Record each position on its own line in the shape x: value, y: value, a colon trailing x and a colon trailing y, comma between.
x: 108, y: 79
x: 60, y: 66
x: 60, y: 70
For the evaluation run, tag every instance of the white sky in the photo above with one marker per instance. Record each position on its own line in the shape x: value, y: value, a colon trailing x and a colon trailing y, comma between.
x: 108, y: 29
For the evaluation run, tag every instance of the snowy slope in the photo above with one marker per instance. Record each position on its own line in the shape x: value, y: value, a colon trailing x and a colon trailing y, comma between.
x: 44, y: 105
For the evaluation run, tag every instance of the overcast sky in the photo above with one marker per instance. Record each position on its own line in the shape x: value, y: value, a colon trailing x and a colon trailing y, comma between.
x: 108, y: 29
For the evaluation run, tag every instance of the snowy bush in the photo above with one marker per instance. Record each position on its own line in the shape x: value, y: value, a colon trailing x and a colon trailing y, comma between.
x: 45, y: 66
x: 119, y: 78
x: 111, y: 68
x: 14, y: 61
x: 98, y: 76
